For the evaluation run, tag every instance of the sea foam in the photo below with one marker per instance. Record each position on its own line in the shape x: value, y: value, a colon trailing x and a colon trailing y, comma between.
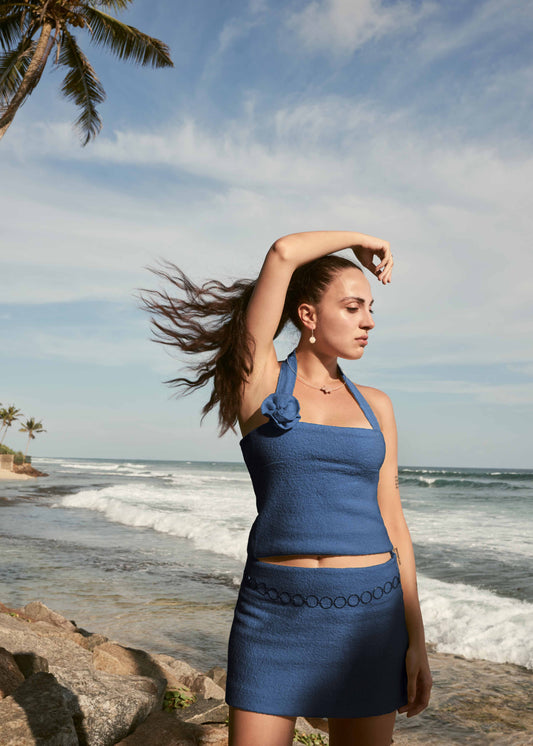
x: 189, y: 515
x: 475, y: 623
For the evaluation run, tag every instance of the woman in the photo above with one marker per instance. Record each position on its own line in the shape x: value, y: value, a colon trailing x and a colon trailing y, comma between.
x: 327, y: 622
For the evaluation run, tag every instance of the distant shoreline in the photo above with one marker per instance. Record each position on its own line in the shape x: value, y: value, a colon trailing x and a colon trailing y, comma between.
x: 8, y: 474
x: 25, y: 471
x: 240, y: 462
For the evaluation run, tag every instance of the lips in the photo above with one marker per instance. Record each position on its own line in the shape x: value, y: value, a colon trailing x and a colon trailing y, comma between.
x: 362, y: 340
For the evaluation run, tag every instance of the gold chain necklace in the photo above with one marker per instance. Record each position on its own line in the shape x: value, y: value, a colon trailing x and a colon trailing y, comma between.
x: 318, y: 388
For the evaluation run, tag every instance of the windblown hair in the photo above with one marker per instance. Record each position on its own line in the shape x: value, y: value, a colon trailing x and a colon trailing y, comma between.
x: 211, y: 318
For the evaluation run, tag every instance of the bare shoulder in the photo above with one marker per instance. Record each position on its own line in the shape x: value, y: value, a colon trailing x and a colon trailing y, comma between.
x: 380, y: 402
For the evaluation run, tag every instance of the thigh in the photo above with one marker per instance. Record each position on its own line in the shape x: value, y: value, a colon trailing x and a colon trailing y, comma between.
x: 259, y: 729
x: 371, y: 731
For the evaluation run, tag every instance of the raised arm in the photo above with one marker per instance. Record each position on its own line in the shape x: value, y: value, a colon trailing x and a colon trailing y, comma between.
x: 284, y: 256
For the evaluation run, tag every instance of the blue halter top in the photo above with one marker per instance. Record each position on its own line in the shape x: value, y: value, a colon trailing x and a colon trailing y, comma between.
x: 315, y: 485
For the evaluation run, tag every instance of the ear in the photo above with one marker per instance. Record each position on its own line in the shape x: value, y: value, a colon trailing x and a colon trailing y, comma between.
x: 307, y: 314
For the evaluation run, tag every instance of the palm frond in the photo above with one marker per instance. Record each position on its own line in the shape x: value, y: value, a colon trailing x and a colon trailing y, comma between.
x: 10, y: 30
x: 126, y: 42
x: 82, y: 86
x: 13, y: 65
x: 117, y: 5
x: 9, y: 6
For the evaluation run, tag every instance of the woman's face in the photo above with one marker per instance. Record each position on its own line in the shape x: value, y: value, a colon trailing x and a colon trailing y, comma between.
x: 343, y: 316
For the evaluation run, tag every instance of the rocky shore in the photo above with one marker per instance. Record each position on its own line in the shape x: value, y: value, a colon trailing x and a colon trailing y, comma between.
x: 21, y: 471
x: 61, y: 685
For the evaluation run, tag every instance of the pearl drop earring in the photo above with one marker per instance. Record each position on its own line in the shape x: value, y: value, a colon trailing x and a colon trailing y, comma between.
x: 312, y: 338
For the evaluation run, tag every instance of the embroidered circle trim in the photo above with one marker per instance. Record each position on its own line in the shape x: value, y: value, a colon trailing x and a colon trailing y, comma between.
x: 326, y: 602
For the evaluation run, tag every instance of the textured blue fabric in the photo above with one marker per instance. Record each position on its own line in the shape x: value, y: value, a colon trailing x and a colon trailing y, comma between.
x: 315, y: 485
x: 318, y: 641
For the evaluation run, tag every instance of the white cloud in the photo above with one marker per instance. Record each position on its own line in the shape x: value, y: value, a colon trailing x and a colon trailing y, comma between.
x: 457, y: 215
x: 490, y: 20
x: 342, y: 26
x: 242, y: 24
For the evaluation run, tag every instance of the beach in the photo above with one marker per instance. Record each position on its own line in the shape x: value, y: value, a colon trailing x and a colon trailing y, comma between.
x: 151, y: 554
x: 7, y: 474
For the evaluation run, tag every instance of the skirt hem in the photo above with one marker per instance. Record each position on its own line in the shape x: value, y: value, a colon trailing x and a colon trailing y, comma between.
x: 267, y: 709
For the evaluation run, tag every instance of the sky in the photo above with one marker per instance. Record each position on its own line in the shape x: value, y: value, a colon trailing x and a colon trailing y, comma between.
x: 407, y: 120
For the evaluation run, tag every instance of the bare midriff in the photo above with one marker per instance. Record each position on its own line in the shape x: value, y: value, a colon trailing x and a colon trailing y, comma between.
x: 328, y: 560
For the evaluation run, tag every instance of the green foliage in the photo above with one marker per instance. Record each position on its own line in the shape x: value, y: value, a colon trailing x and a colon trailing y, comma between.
x: 177, y: 699
x: 19, y: 456
x: 32, y: 31
x: 82, y: 86
x: 311, y: 739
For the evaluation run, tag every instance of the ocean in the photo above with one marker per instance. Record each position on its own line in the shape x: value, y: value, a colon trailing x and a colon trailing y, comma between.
x: 150, y: 553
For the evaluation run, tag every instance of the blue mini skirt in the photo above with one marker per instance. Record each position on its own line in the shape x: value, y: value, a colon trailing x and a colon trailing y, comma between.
x: 318, y: 641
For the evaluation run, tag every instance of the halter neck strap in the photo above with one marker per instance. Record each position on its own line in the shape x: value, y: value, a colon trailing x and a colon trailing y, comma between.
x: 287, y: 379
x: 287, y: 374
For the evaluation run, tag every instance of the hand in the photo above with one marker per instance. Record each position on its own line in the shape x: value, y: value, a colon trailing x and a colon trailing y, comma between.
x: 419, y: 681
x: 376, y: 247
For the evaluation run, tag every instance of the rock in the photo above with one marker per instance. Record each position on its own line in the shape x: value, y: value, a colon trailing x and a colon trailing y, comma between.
x: 319, y: 724
x: 29, y: 470
x: 20, y: 637
x: 124, y: 661
x: 107, y: 706
x: 50, y: 630
x: 204, y: 685
x: 30, y: 663
x: 213, y: 735
x: 11, y: 676
x: 41, y: 613
x: 88, y: 640
x: 307, y: 728
x: 205, y: 711
x: 168, y: 729
x: 103, y: 706
x: 218, y: 674
x: 80, y: 637
x: 37, y: 714
x: 179, y: 668
x: 163, y: 729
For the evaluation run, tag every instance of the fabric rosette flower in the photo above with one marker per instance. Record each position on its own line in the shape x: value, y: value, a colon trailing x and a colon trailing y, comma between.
x: 283, y: 410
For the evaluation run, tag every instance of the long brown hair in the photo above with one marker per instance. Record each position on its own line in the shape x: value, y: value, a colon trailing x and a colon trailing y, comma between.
x: 211, y: 319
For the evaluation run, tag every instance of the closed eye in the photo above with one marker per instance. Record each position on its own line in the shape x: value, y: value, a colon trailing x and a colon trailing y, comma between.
x: 355, y: 308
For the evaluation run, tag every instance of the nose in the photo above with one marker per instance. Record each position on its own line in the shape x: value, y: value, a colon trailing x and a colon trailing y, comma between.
x: 367, y: 322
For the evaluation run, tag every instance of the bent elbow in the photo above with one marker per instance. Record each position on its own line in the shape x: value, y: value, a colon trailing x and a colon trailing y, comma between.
x: 283, y: 249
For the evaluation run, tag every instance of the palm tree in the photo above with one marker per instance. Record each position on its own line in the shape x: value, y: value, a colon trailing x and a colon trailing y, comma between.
x: 8, y: 416
x: 30, y: 29
x: 31, y: 427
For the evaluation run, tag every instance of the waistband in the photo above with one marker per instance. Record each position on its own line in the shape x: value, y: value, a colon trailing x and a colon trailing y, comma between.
x: 322, y: 586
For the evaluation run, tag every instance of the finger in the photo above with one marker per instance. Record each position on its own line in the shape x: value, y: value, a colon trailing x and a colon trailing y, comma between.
x: 421, y: 701
x: 386, y: 277
x: 416, y: 709
x: 384, y: 262
x: 387, y: 261
x: 412, y: 680
x: 387, y: 273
